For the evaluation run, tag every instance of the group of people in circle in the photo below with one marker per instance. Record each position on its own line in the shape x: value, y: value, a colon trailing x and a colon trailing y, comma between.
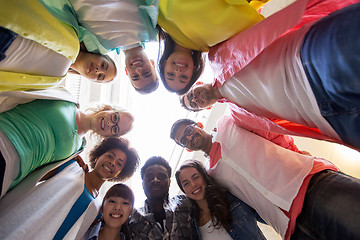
x: 301, y: 78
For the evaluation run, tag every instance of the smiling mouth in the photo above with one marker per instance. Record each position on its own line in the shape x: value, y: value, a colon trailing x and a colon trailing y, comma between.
x: 102, y: 124
x: 196, y: 191
x: 107, y: 169
x: 116, y: 215
x: 136, y: 63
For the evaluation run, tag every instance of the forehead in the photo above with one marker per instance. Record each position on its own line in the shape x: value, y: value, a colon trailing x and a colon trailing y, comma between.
x: 156, y: 169
x: 187, y: 173
x: 118, y: 153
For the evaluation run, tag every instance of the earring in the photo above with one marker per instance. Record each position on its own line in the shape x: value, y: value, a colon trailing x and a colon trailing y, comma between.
x: 199, y: 83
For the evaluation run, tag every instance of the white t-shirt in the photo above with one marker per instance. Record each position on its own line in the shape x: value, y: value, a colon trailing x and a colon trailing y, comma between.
x: 274, y: 85
x: 208, y: 232
x: 30, y: 57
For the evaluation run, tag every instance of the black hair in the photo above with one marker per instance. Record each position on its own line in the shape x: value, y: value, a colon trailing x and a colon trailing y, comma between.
x: 156, y: 160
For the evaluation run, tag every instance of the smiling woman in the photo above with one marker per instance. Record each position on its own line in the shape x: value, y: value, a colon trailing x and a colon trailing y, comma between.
x: 95, y: 67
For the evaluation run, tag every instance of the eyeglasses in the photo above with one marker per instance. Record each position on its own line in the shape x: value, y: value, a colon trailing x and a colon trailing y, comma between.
x: 193, y: 104
x: 189, y: 130
x: 115, y: 118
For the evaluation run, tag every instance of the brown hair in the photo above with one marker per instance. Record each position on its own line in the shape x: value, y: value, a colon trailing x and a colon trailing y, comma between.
x: 215, y: 195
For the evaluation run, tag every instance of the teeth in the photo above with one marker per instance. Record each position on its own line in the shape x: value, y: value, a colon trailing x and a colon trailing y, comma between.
x: 103, y: 124
x: 115, y: 215
x: 108, y: 169
x: 136, y: 62
x: 196, y: 191
x: 180, y: 65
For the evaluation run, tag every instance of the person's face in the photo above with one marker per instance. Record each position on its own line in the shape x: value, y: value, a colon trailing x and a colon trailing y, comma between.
x: 200, y: 97
x: 116, y: 210
x: 139, y: 68
x: 191, y: 137
x: 111, y: 123
x: 179, y: 68
x: 193, y: 183
x: 156, y: 182
x: 110, y: 164
x: 97, y: 68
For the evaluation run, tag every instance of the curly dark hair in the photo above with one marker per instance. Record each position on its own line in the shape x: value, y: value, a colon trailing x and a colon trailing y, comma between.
x: 155, y: 160
x: 215, y: 195
x: 132, y: 158
x: 177, y: 124
x: 168, y: 46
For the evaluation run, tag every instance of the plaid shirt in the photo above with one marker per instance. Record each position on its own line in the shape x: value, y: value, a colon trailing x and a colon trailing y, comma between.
x: 177, y: 224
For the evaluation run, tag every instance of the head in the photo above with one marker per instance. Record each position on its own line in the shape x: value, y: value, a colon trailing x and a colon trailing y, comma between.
x: 193, y: 179
x: 119, y: 160
x: 178, y: 71
x: 198, y: 185
x: 110, y: 121
x: 95, y: 67
x: 155, y: 175
x: 199, y: 97
x: 190, y: 135
x: 141, y: 70
x: 117, y: 205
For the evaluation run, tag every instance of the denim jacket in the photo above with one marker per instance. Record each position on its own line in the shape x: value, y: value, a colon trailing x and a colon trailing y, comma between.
x: 243, y: 226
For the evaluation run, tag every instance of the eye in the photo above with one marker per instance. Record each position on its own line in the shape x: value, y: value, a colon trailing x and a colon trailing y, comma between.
x: 115, y: 130
x: 111, y: 201
x: 119, y: 163
x: 115, y: 117
x: 185, y: 184
x: 110, y: 155
x: 103, y: 65
x: 126, y: 203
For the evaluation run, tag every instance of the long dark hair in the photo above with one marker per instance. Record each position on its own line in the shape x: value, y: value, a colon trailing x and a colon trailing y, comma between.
x: 215, y: 195
x: 166, y: 48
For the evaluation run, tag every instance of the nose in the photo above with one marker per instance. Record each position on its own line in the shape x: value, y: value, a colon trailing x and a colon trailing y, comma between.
x: 117, y: 206
x: 155, y: 179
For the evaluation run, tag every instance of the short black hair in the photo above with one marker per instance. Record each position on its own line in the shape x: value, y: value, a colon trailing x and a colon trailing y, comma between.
x: 149, y: 88
x: 177, y: 124
x: 155, y: 160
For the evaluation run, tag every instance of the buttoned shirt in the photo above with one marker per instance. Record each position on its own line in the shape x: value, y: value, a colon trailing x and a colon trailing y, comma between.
x: 176, y: 225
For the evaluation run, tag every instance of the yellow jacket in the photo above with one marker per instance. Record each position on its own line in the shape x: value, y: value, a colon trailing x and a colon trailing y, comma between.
x: 29, y: 19
x: 201, y: 24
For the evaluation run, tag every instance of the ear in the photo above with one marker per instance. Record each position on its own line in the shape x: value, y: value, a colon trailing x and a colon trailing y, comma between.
x: 200, y: 125
x: 152, y: 62
x: 126, y: 72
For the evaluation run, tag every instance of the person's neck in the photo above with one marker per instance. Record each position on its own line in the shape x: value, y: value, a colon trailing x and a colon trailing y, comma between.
x: 178, y: 48
x: 217, y: 94
x: 75, y: 65
x: 157, y: 208
x: 127, y: 51
x: 82, y: 122
x: 109, y: 233
x: 93, y: 183
x: 207, y: 148
x: 204, y: 214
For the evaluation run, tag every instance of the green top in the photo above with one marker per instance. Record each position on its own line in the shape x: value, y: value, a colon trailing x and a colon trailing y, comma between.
x: 41, y: 131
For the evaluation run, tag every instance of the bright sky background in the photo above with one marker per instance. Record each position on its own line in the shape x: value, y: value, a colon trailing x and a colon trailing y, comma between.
x: 154, y: 115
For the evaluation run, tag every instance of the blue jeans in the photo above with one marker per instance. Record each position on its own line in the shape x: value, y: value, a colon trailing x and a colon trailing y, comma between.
x: 331, y: 58
x: 331, y: 208
x: 6, y: 38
